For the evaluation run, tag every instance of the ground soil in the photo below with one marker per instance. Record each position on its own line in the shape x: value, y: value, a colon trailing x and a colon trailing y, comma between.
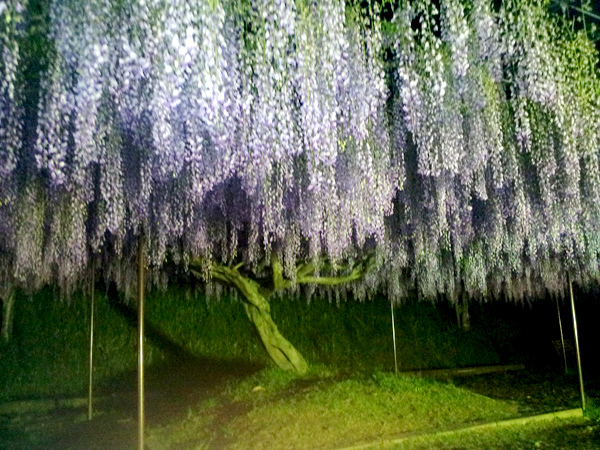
x: 172, y: 389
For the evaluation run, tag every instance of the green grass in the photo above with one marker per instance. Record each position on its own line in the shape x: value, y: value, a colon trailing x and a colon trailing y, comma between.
x: 592, y: 409
x: 348, y: 397
x: 352, y: 335
x: 279, y: 411
x: 213, y: 328
x: 358, y: 335
x: 48, y: 355
x: 49, y: 352
x: 570, y: 434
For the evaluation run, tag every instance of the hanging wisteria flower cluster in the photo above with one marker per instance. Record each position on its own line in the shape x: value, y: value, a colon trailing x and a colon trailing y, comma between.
x: 458, y: 142
x: 12, y: 25
x: 502, y: 107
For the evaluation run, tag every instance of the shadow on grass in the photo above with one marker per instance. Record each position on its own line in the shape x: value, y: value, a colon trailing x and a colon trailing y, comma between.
x: 173, y: 388
x: 181, y: 376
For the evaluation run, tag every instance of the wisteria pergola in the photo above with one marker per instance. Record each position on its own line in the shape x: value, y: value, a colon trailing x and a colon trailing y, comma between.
x: 267, y: 144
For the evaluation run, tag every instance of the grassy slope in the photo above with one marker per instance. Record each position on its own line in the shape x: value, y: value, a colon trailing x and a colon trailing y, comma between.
x: 49, y: 351
x: 353, y: 335
x: 328, y: 408
x: 278, y: 411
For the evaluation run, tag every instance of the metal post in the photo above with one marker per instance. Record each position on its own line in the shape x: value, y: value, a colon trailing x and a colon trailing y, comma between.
x: 562, y: 337
x: 394, y: 337
x: 8, y: 307
x: 577, y: 346
x: 91, y: 368
x: 141, y: 265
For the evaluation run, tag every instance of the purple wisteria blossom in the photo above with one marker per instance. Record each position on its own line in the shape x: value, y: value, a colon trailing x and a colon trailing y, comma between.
x: 456, y: 145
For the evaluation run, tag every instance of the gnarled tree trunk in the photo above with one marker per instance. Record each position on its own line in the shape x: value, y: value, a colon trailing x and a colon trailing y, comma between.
x: 258, y: 309
x: 255, y: 298
x: 279, y: 348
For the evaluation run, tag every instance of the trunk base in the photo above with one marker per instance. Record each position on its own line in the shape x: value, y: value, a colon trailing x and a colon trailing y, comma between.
x: 279, y: 348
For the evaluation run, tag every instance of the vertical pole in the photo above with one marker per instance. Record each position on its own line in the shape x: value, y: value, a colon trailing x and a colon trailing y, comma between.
x: 562, y: 337
x: 394, y: 337
x: 91, y: 368
x: 577, y: 346
x: 8, y: 308
x: 140, y: 257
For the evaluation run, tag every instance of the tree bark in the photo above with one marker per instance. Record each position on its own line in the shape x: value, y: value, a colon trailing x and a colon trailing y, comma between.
x: 283, y: 353
x: 255, y: 298
x: 8, y: 309
x: 258, y: 309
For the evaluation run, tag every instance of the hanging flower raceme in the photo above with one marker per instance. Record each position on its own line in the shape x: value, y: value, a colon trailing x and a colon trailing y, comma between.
x: 234, y: 130
x: 11, y: 27
x: 55, y: 109
x: 313, y: 95
x: 505, y: 95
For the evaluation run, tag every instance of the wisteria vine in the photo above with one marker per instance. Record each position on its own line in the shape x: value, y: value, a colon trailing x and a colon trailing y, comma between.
x: 459, y: 143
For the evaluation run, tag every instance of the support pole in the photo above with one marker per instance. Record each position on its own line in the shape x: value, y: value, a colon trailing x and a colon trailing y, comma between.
x: 91, y: 368
x: 141, y: 264
x: 577, y: 346
x: 394, y: 337
x: 8, y: 311
x: 562, y: 337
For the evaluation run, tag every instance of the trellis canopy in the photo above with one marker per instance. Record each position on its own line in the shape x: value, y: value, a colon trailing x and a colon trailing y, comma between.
x: 456, y: 145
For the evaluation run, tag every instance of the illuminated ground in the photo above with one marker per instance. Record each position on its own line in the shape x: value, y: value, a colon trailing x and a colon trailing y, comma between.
x: 174, y: 389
